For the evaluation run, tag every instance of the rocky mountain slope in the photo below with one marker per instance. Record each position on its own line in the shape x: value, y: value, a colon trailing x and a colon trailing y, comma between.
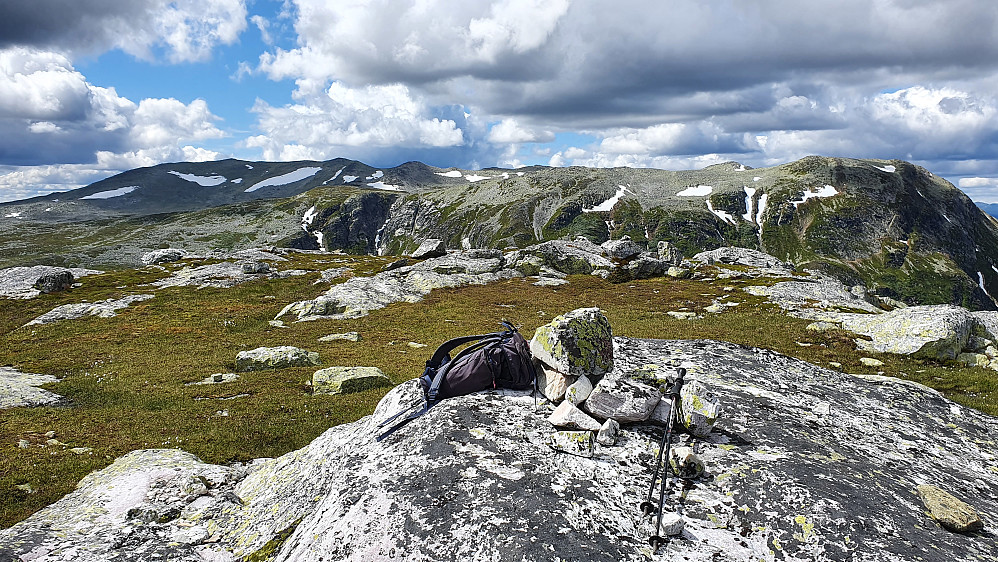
x: 889, y: 225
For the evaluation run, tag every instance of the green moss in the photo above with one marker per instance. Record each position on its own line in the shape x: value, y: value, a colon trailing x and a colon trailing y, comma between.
x: 267, y: 551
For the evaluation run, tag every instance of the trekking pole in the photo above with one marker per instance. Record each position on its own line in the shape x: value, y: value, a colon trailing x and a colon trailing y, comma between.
x: 664, y: 446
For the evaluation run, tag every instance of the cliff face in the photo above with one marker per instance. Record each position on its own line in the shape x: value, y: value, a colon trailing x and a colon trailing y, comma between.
x: 889, y: 225
x: 804, y: 464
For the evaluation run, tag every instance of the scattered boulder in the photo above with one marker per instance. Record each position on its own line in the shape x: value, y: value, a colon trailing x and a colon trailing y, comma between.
x: 22, y: 389
x: 579, y: 342
x: 102, y: 309
x: 255, y: 268
x: 646, y: 266
x: 19, y: 282
x: 619, y: 398
x: 935, y: 332
x: 678, y: 272
x: 164, y: 255
x: 871, y: 362
x: 430, y: 248
x: 608, y: 433
x: 950, y: 512
x: 699, y: 408
x: 579, y: 257
x: 623, y: 249
x: 685, y: 463
x: 217, y: 378
x: 397, y: 264
x: 54, y: 281
x: 755, y: 259
x: 569, y: 416
x: 669, y: 253
x: 222, y: 275
x: 347, y: 380
x: 264, y: 358
x: 578, y: 443
x: 672, y: 524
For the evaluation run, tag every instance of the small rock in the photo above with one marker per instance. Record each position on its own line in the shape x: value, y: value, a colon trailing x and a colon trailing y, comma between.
x: 608, y: 433
x: 579, y: 391
x: 53, y: 442
x: 416, y: 345
x: 397, y: 264
x: 567, y: 415
x: 622, y: 399
x: 579, y: 342
x: 678, y: 272
x: 679, y: 315
x: 23, y: 444
x: 257, y: 267
x: 55, y: 281
x: 949, y: 511
x: 50, y: 434
x: 25, y: 488
x: 277, y: 323
x: 347, y: 380
x: 263, y: 358
x: 835, y: 364
x: 661, y: 415
x: 552, y: 383
x: 685, y: 463
x: 821, y: 326
x: 672, y: 524
x: 715, y: 308
x: 549, y: 282
x: 871, y: 362
x: 347, y: 336
x: 698, y: 408
x: 80, y: 450
x: 430, y: 248
x: 217, y: 378
x: 580, y: 443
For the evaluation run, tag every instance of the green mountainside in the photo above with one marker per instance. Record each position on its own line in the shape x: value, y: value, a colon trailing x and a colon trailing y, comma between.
x: 889, y: 225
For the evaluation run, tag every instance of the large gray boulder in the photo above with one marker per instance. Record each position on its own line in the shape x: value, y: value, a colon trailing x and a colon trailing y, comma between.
x: 431, y: 248
x: 264, y: 358
x: 164, y: 255
x: 754, y: 259
x: 801, y: 297
x: 936, y: 331
x: 578, y: 257
x: 55, y: 281
x: 622, y: 249
x: 576, y: 343
x: 780, y: 478
x: 347, y: 380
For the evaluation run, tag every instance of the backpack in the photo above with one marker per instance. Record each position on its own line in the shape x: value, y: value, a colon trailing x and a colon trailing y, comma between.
x: 496, y: 360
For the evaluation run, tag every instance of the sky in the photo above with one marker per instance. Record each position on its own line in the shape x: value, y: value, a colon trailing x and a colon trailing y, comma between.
x: 90, y: 88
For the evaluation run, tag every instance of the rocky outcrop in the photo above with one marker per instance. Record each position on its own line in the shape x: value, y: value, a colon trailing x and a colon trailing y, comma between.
x: 347, y: 380
x: 802, y: 297
x: 937, y: 332
x: 20, y: 282
x: 102, y: 309
x: 576, y: 343
x: 264, y: 358
x: 164, y: 255
x: 22, y: 389
x: 225, y: 274
x: 477, y: 478
x: 430, y: 248
x: 54, y: 282
x: 746, y: 257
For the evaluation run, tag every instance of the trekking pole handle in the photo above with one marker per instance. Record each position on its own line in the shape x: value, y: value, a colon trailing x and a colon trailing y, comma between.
x: 677, y: 386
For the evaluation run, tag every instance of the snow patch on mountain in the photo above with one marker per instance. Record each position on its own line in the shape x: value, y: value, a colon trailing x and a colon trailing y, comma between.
x: 723, y: 215
x: 749, y: 202
x: 203, y: 181
x: 111, y: 193
x: 762, y: 209
x: 348, y: 179
x: 473, y: 177
x: 384, y: 186
x: 307, y: 219
x: 450, y: 174
x: 696, y: 191
x: 284, y: 179
x: 817, y: 192
x: 375, y: 175
x: 609, y: 203
x: 888, y: 168
x: 336, y: 175
x: 237, y: 180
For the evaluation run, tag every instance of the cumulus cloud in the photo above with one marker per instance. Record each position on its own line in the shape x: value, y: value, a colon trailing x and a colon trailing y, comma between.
x: 183, y: 30
x: 508, y: 131
x: 323, y: 123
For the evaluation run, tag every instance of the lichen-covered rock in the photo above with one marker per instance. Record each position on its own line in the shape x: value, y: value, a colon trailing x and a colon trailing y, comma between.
x: 264, y: 358
x: 699, y: 408
x: 22, y: 389
x: 950, y: 512
x: 579, y: 257
x: 219, y: 275
x: 935, y: 332
x: 622, y: 249
x: 54, y: 282
x: 255, y: 267
x: 430, y: 248
x: 579, y: 443
x: 678, y: 272
x: 579, y: 390
x: 685, y: 463
x: 569, y: 416
x: 347, y: 380
x: 164, y: 255
x: 974, y: 359
x: 576, y: 343
x: 617, y: 397
x: 744, y: 256
x: 102, y: 309
x: 646, y: 266
x: 670, y: 254
x: 608, y: 433
x: 19, y: 282
x: 806, y: 295
x: 820, y: 488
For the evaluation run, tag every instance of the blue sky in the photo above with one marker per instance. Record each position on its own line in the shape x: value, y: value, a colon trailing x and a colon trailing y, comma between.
x: 95, y: 87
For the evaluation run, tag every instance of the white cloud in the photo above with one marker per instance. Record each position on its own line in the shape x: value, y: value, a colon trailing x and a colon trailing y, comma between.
x: 372, y: 116
x: 508, y: 131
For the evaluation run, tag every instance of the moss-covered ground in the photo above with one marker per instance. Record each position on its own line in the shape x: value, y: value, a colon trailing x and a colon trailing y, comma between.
x: 123, y: 378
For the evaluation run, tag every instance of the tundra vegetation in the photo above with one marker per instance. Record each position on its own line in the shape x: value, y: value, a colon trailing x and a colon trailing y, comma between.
x: 124, y: 379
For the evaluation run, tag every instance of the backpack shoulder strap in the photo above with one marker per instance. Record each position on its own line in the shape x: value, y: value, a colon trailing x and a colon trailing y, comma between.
x: 484, y: 341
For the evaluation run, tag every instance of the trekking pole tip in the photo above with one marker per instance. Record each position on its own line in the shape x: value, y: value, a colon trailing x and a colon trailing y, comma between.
x: 656, y: 541
x: 648, y: 508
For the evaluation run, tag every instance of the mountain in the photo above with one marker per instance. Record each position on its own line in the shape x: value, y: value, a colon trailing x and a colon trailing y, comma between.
x: 989, y: 208
x: 889, y: 225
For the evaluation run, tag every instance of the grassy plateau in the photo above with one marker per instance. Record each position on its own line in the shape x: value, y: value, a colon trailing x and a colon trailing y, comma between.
x: 123, y: 378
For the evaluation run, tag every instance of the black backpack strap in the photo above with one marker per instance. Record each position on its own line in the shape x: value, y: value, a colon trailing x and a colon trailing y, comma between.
x: 412, y: 415
x: 484, y: 341
x: 450, y: 345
